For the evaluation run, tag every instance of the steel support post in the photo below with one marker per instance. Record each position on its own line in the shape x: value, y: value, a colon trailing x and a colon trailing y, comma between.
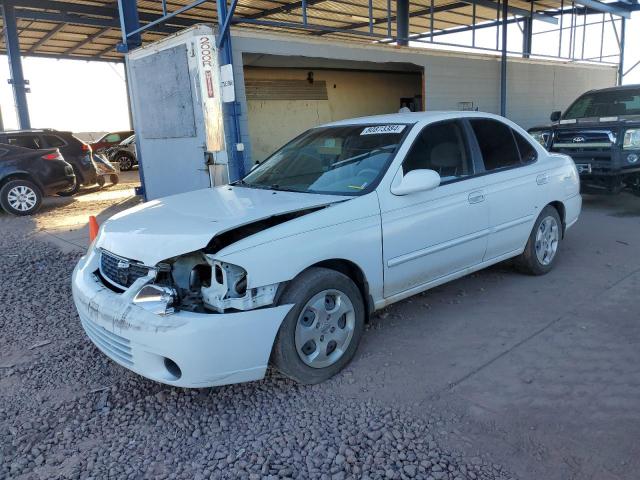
x: 129, y: 22
x: 621, y: 62
x: 527, y: 37
x: 503, y: 59
x: 402, y: 21
x: 17, y: 80
x: 231, y: 111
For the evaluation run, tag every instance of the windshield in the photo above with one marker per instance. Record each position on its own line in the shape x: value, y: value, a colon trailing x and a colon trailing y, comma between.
x: 345, y: 160
x: 605, y: 104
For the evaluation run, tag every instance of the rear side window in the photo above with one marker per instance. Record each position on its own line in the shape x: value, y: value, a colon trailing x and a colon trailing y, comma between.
x: 26, y: 141
x: 528, y: 154
x: 53, y: 141
x: 497, y: 144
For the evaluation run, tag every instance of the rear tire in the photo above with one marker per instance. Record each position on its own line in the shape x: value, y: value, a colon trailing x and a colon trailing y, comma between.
x: 125, y: 161
x: 541, y: 252
x: 20, y: 197
x: 320, y: 334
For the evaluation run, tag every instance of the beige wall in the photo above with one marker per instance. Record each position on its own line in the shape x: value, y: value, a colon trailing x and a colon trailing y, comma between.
x: 272, y: 123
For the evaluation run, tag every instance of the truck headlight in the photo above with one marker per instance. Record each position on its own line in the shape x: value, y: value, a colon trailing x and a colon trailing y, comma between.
x: 541, y: 136
x: 631, y: 139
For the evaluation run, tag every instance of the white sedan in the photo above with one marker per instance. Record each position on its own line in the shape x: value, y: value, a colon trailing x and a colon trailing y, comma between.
x: 286, y: 265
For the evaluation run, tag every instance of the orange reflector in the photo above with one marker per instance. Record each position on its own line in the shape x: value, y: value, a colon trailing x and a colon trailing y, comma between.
x: 93, y: 228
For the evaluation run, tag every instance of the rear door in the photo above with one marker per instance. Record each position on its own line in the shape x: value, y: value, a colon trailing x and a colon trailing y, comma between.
x: 512, y: 185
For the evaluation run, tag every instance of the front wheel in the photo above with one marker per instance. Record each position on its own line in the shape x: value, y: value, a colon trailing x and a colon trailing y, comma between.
x: 540, y: 254
x: 20, y: 197
x: 320, y: 334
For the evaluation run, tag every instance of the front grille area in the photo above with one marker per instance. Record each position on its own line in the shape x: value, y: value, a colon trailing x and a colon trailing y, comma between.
x: 583, y: 140
x: 121, y: 272
x: 112, y: 345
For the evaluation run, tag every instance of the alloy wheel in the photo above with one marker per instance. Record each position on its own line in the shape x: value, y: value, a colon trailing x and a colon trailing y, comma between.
x: 547, y: 238
x: 22, y: 198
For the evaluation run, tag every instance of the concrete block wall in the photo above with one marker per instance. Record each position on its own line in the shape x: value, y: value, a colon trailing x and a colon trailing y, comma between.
x: 534, y: 87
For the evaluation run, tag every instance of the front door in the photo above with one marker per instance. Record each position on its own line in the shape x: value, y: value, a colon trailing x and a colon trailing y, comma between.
x: 429, y: 235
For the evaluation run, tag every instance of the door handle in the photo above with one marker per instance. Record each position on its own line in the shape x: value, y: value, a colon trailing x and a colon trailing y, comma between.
x: 476, y: 197
x: 542, y: 179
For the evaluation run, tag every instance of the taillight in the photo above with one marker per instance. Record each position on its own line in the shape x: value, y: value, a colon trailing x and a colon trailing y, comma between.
x: 86, y: 148
x: 52, y: 156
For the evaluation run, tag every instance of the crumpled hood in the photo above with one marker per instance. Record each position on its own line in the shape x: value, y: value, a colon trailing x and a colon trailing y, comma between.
x: 179, y: 224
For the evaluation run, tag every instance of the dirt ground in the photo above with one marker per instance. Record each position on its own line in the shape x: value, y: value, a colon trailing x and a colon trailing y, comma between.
x: 522, y: 377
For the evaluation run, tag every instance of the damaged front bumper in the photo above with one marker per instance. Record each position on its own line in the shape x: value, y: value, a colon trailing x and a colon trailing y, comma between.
x: 184, y: 349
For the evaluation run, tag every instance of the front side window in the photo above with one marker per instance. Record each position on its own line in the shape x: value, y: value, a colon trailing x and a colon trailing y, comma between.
x: 497, y: 144
x: 605, y: 104
x: 440, y: 147
x: 26, y: 141
x: 344, y: 160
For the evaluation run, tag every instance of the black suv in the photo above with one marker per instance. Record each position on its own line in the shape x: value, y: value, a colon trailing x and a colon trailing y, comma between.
x: 601, y: 132
x: 26, y: 175
x: 75, y: 151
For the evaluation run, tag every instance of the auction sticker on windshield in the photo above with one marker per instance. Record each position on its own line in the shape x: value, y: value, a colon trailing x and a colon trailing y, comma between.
x: 378, y: 129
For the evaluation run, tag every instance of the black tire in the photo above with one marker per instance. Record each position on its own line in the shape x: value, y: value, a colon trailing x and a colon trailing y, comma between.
x: 125, y: 161
x: 302, y: 289
x: 101, y: 181
x: 529, y: 261
x: 114, y: 178
x: 11, y: 204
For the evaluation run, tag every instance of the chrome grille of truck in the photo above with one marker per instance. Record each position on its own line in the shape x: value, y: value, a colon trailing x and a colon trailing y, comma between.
x: 119, y: 271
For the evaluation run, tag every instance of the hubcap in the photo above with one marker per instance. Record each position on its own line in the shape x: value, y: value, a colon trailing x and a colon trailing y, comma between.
x: 22, y: 198
x: 325, y: 328
x: 125, y: 162
x: 547, y: 238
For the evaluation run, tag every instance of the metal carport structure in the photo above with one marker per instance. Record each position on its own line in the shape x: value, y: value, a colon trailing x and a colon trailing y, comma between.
x: 102, y: 30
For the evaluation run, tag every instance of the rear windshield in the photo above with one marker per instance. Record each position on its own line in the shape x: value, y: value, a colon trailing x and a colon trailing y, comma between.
x: 605, y: 104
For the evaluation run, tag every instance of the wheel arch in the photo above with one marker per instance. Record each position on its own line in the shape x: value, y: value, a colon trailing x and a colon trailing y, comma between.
x: 19, y: 175
x: 355, y: 273
x: 560, y: 208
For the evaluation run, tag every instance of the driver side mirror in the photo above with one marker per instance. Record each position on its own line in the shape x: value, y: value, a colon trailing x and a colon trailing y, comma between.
x: 555, y: 116
x: 417, y: 181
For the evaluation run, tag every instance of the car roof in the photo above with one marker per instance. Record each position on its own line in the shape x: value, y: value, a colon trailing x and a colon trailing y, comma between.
x: 414, y: 117
x: 634, y: 86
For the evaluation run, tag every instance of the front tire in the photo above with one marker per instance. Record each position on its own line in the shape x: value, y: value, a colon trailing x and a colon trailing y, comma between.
x: 320, y: 334
x: 541, y: 252
x: 20, y: 197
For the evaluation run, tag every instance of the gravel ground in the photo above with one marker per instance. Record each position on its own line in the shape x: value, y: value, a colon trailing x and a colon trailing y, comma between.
x: 66, y: 411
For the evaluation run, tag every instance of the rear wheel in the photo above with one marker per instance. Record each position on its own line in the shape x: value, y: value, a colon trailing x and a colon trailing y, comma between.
x: 125, y: 161
x: 320, y: 334
x: 20, y: 197
x: 540, y: 254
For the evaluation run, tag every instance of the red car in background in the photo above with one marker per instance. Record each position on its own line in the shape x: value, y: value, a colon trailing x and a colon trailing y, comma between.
x: 110, y: 139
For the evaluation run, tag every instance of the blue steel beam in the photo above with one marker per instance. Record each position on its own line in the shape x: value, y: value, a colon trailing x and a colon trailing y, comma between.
x: 231, y: 114
x: 15, y: 64
x: 129, y: 25
x: 503, y: 59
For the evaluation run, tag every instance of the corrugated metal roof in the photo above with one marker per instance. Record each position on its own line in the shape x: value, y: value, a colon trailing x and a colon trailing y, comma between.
x: 89, y: 29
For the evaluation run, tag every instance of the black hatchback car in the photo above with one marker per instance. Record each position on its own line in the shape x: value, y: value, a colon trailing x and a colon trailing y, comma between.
x: 27, y: 175
x: 75, y: 151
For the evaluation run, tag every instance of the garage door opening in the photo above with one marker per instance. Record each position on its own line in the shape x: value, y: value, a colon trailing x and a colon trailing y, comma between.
x: 288, y: 95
